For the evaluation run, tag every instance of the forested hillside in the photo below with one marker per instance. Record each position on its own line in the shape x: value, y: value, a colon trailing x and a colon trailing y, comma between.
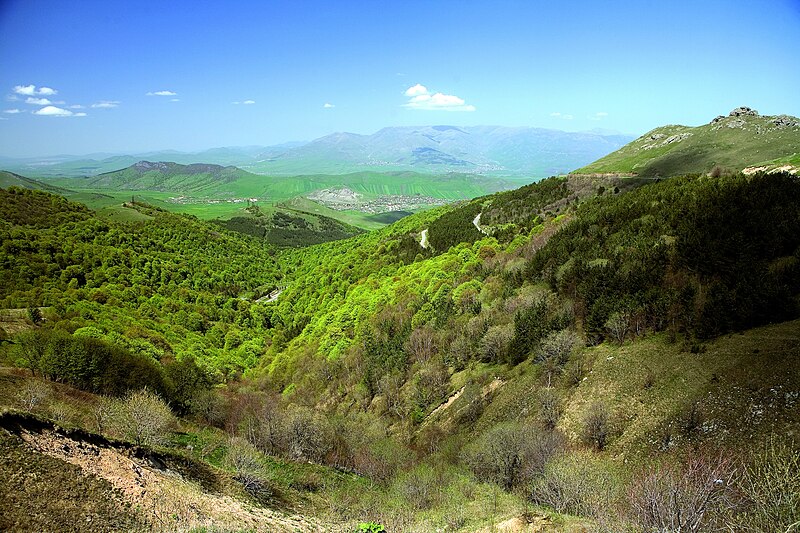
x: 583, y: 346
x: 168, y: 285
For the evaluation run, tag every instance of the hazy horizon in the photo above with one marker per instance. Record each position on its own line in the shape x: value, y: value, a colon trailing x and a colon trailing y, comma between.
x: 295, y: 142
x: 110, y: 77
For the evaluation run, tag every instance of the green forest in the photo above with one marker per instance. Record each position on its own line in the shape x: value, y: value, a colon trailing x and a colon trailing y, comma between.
x: 582, y: 359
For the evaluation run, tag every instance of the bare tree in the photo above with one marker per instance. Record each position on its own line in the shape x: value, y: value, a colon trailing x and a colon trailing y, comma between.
x: 32, y: 394
x: 770, y: 484
x: 245, y: 461
x: 597, y: 425
x: 421, y: 345
x: 554, y: 351
x: 549, y: 407
x: 307, y: 435
x: 143, y: 417
x: 618, y: 325
x: 669, y: 497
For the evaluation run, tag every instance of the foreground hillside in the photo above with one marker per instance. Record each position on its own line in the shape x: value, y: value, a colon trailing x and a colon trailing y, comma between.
x: 729, y: 143
x: 577, y: 354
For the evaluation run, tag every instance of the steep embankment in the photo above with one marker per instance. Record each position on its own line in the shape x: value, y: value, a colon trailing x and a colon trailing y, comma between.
x: 741, y: 139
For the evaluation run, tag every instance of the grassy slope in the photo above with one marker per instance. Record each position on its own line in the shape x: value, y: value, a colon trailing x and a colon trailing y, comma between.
x: 9, y: 179
x: 757, y: 139
x: 745, y: 386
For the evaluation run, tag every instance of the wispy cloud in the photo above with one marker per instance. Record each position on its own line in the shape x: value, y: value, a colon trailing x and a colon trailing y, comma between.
x: 76, y: 106
x: 31, y: 90
x: 328, y: 105
x: 162, y: 93
x: 562, y: 116
x: 421, y: 98
x: 53, y: 111
x: 598, y: 116
x: 106, y: 104
x: 245, y: 102
x: 12, y: 111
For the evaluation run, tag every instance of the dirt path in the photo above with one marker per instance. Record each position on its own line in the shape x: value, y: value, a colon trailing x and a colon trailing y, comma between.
x: 477, y: 223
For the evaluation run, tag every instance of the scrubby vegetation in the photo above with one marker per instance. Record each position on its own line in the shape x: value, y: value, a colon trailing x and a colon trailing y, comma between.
x: 590, y: 354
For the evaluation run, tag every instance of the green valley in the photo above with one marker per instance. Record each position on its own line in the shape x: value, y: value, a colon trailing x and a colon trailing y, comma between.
x: 607, y: 329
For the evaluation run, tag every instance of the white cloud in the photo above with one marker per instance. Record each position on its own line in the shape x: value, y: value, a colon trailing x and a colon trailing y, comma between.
x: 53, y: 111
x: 12, y: 97
x: 562, y: 116
x: 249, y: 102
x: 421, y: 98
x: 328, y: 105
x: 38, y: 101
x: 30, y: 90
x: 25, y: 90
x: 416, y: 90
x: 162, y: 93
x: 105, y: 104
x: 598, y: 116
x: 12, y: 111
x: 76, y: 106
x: 174, y: 99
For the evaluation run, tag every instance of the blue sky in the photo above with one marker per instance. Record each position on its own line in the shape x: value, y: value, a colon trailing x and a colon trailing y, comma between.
x: 260, y: 73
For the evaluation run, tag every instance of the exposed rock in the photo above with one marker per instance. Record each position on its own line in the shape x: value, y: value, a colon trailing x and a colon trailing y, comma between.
x: 717, y: 119
x: 669, y: 140
x: 144, y: 166
x: 676, y: 138
x: 735, y: 123
x: 786, y: 121
x: 743, y: 111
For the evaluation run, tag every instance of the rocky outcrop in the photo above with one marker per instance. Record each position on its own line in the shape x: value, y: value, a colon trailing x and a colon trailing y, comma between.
x: 786, y: 121
x: 742, y: 112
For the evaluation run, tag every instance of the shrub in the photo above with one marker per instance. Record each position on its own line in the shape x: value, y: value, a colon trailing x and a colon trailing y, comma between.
x: 33, y: 394
x: 549, y: 407
x: 245, y: 461
x: 495, y: 343
x: 511, y: 454
x: 419, y: 487
x: 142, y: 417
x: 576, y: 484
x: 770, y: 484
x: 307, y: 435
x: 669, y: 497
x: 597, y: 425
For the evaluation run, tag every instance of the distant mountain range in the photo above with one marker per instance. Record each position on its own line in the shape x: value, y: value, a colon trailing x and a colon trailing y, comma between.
x: 731, y: 142
x: 489, y: 150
